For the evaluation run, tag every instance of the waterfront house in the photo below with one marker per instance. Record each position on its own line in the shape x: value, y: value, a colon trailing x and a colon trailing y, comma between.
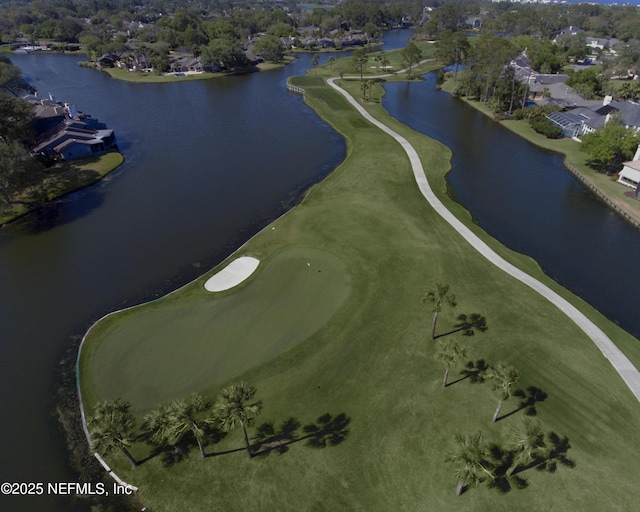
x: 582, y: 120
x: 73, y: 139
x: 108, y: 60
x: 64, y: 132
x: 630, y: 173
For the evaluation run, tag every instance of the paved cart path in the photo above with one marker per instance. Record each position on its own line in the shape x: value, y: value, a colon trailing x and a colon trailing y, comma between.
x: 620, y: 362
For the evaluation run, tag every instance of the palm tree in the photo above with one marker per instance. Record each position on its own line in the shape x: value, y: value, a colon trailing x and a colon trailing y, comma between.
x: 234, y: 407
x: 437, y: 299
x: 314, y: 62
x: 170, y: 422
x: 527, y: 443
x: 450, y: 353
x: 366, y: 89
x: 156, y: 425
x: 111, y: 426
x: 470, y: 459
x: 503, y: 377
x: 385, y: 63
x: 360, y: 59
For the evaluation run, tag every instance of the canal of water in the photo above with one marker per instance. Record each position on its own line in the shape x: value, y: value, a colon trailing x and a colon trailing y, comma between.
x: 524, y: 197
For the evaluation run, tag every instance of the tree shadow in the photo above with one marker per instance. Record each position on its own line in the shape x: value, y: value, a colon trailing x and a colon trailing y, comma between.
x: 451, y: 383
x: 475, y: 371
x: 503, y: 482
x: 173, y: 453
x: 327, y: 431
x: 468, y: 324
x: 268, y: 438
x: 528, y: 401
x: 557, y: 455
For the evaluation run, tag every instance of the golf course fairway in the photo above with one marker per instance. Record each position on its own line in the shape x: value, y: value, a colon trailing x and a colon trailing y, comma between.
x: 348, y: 337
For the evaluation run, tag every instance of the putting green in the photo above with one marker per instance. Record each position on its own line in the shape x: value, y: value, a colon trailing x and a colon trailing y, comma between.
x: 183, y: 344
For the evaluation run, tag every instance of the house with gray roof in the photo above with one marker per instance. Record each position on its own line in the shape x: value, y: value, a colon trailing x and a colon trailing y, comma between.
x: 73, y: 139
x: 582, y: 120
x: 64, y: 132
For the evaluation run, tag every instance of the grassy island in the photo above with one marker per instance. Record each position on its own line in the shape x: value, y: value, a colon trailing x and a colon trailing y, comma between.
x: 332, y: 329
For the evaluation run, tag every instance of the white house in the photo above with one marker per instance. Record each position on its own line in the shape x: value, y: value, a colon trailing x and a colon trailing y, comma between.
x: 630, y: 173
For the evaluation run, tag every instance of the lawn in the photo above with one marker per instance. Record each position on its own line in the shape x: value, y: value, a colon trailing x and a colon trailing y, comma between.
x: 372, y: 67
x: 153, y: 78
x: 371, y: 358
x: 196, y: 339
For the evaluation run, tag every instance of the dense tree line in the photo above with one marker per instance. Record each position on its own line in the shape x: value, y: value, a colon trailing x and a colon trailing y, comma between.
x: 185, y: 24
x: 18, y: 169
x: 218, y: 30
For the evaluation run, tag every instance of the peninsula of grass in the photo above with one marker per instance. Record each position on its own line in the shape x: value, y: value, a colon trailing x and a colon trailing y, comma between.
x: 61, y: 179
x: 353, y: 338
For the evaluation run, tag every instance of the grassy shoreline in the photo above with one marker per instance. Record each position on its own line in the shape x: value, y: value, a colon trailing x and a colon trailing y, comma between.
x: 373, y: 361
x: 152, y: 78
x: 62, y: 179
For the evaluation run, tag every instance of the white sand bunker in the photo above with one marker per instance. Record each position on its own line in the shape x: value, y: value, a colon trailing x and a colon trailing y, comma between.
x: 232, y: 275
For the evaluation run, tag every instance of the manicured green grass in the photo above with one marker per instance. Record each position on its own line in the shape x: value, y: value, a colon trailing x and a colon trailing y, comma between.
x: 345, y: 65
x: 268, y: 66
x: 196, y: 339
x: 373, y: 359
x: 153, y: 78
x: 63, y: 178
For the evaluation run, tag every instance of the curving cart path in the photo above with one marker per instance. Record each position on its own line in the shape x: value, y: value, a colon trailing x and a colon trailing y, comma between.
x: 620, y: 362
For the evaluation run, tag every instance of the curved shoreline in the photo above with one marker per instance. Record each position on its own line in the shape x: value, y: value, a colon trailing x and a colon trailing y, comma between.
x: 627, y: 371
x: 140, y: 478
x: 619, y: 207
x: 32, y: 208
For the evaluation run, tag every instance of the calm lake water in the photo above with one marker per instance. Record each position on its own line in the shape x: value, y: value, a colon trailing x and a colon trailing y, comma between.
x: 524, y: 197
x: 208, y: 163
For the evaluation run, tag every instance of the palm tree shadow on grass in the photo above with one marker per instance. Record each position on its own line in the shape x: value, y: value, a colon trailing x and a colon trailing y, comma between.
x: 555, y: 455
x: 468, y: 325
x: 268, y: 438
x: 173, y: 453
x: 528, y: 401
x: 503, y: 481
x: 328, y: 430
x: 476, y: 372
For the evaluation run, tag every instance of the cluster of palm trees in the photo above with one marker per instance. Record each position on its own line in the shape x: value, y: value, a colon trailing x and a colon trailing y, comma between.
x: 112, y: 425
x: 502, y: 376
x: 474, y: 459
